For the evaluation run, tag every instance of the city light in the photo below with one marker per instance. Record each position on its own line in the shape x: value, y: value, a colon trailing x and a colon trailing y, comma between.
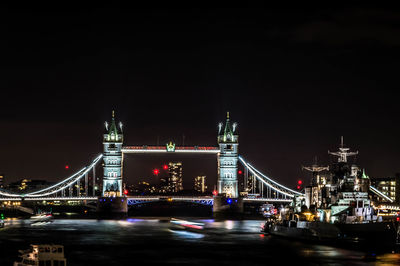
x: 67, y: 167
x: 215, y: 193
x: 156, y: 171
x: 240, y: 172
x: 165, y: 167
x: 125, y: 191
x: 299, y: 182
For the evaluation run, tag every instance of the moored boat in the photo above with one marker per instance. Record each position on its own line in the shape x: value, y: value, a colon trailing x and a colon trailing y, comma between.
x: 306, y: 230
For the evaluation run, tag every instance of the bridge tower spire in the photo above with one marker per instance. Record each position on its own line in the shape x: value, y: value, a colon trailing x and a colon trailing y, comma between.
x: 228, y: 141
x: 112, y: 174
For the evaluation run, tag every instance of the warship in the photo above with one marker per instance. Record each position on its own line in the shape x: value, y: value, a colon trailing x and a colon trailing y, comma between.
x: 338, y: 205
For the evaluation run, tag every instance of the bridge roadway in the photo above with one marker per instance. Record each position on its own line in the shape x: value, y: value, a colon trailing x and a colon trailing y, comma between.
x: 162, y: 149
x: 141, y: 199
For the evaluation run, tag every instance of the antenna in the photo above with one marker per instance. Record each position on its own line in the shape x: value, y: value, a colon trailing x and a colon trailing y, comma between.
x: 341, y: 142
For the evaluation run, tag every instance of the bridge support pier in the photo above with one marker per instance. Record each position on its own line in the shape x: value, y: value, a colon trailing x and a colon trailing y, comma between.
x: 112, y: 206
x: 227, y: 207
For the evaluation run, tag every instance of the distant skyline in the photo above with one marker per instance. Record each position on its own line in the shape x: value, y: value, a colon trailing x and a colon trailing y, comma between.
x: 295, y: 80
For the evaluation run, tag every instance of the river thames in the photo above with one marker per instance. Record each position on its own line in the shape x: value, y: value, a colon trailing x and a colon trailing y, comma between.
x: 155, y: 241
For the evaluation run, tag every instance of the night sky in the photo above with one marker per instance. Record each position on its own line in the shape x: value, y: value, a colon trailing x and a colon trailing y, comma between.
x: 295, y: 80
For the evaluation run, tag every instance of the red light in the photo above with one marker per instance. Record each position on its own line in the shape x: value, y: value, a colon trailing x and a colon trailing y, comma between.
x: 298, y: 187
x: 299, y: 182
x: 165, y: 167
x: 240, y: 172
x: 156, y: 171
x: 398, y: 219
x: 67, y: 167
x: 215, y: 193
x: 125, y: 191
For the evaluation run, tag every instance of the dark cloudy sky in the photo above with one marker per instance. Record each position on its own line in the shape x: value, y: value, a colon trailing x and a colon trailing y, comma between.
x: 294, y: 79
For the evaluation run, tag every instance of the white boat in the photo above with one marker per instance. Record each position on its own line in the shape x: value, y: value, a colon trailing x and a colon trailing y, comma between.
x: 42, y: 255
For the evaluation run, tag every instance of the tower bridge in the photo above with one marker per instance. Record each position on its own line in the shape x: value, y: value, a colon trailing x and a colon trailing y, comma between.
x: 112, y: 198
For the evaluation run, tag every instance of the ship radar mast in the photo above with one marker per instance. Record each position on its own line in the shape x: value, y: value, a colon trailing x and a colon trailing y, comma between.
x: 343, y: 153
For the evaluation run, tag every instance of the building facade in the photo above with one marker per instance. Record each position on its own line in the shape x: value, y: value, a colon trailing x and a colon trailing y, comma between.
x: 1, y: 180
x: 390, y: 186
x: 28, y: 185
x: 200, y: 184
x: 175, y: 173
x: 112, y: 170
x: 228, y: 142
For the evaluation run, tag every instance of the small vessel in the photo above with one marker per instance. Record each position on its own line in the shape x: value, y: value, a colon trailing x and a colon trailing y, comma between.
x: 268, y: 210
x: 301, y: 226
x: 306, y: 230
x: 39, y: 255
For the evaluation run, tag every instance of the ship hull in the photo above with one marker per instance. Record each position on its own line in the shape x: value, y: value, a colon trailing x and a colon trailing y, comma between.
x: 316, y: 232
x: 381, y: 233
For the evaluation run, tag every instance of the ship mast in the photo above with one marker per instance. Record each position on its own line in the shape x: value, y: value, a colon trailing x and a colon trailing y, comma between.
x: 343, y: 153
x: 315, y: 168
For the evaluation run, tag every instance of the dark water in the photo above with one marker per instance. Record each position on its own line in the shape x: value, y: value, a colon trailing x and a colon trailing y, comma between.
x: 152, y: 241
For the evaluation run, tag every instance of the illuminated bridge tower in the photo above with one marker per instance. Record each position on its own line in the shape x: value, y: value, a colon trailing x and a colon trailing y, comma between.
x: 112, y: 200
x: 228, y: 201
x: 228, y: 142
x: 112, y: 156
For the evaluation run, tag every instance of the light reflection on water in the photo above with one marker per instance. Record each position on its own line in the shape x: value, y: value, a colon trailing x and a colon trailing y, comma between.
x: 186, y: 235
x: 158, y: 241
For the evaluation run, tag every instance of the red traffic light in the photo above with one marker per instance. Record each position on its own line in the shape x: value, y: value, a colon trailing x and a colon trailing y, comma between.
x: 165, y: 167
x: 299, y: 182
x: 125, y: 191
x: 156, y: 171
x: 67, y: 167
x: 240, y: 172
